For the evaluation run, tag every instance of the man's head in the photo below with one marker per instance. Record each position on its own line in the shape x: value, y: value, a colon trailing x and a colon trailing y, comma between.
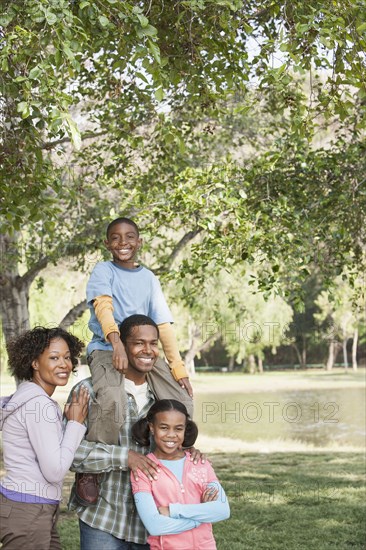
x: 140, y: 336
x: 123, y: 241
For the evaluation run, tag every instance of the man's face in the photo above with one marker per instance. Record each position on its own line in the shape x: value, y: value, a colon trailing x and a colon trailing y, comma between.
x: 142, y: 351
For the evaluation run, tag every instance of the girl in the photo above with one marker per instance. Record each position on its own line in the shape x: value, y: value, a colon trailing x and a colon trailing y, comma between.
x: 178, y: 507
x: 37, y: 451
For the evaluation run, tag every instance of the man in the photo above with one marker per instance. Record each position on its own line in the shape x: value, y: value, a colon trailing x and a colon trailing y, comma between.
x: 113, y: 523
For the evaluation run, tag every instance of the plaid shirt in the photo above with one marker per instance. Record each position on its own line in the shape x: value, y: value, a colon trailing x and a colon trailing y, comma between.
x: 115, y: 510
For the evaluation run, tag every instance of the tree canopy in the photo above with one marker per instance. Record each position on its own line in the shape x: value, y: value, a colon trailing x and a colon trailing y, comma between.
x: 234, y: 127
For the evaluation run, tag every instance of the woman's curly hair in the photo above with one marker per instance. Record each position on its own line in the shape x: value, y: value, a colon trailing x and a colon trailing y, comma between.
x: 25, y: 349
x: 141, y: 431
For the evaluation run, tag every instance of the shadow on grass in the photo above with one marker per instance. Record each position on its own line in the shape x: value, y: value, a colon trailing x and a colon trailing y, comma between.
x: 281, y: 501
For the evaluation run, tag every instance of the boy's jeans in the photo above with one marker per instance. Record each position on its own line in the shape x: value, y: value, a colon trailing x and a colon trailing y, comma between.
x: 108, y: 412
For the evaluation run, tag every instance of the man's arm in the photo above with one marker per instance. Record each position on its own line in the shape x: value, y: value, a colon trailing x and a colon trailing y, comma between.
x: 96, y: 458
x: 99, y: 457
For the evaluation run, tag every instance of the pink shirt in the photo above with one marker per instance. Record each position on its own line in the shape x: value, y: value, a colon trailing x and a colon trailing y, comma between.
x: 167, y: 490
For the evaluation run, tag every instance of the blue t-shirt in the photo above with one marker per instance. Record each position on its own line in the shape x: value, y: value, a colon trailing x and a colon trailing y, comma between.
x: 132, y: 290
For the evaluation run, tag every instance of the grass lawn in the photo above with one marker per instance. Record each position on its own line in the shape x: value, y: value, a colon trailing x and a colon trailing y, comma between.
x: 291, y: 497
x: 281, y: 501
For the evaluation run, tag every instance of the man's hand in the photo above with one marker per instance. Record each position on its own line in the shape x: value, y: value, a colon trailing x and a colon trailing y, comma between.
x: 137, y: 461
x: 196, y: 455
x: 119, y: 357
x: 185, y: 384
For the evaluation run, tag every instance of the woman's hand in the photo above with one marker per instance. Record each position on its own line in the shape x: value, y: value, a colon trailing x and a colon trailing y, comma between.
x: 137, y: 461
x: 77, y: 410
x: 210, y: 494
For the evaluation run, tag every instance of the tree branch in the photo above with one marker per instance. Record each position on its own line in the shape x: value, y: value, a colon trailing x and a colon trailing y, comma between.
x: 87, y: 135
x: 211, y: 340
x: 73, y: 314
x: 178, y: 247
x: 32, y: 273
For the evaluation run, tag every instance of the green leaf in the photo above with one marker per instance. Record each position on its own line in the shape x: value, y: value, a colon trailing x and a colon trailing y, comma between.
x: 5, y: 19
x: 103, y: 20
x: 159, y: 94
x: 35, y: 72
x: 84, y: 4
x: 154, y: 50
x: 67, y: 51
x: 51, y: 17
x: 148, y: 31
x: 73, y: 130
x: 143, y: 20
x: 361, y: 28
x: 142, y: 77
x: 24, y: 109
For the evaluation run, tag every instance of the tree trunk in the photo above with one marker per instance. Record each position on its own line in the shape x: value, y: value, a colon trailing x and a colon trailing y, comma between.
x: 14, y: 308
x: 345, y: 358
x: 251, y: 363
x: 231, y: 363
x: 195, y: 347
x: 332, y: 354
x: 299, y: 356
x: 14, y: 295
x: 303, y: 353
x: 354, y: 349
x: 260, y: 364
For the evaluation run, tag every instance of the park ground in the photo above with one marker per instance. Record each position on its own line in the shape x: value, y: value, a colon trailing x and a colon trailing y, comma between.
x: 289, y: 497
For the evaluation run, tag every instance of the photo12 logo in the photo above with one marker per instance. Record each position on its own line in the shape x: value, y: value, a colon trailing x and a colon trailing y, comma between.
x: 269, y: 411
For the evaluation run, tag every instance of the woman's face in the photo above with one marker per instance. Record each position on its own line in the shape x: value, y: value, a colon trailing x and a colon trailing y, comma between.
x: 53, y: 366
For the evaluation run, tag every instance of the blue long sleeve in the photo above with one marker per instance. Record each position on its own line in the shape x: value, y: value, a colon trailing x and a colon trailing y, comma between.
x: 156, y: 524
x: 206, y: 512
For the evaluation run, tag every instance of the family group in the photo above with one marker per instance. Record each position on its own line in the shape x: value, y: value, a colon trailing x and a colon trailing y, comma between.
x: 126, y: 431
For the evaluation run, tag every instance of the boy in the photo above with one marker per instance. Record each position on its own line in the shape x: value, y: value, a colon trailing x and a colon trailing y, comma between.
x: 116, y: 290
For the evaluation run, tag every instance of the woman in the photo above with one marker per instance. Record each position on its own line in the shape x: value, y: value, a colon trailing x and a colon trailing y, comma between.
x: 38, y: 451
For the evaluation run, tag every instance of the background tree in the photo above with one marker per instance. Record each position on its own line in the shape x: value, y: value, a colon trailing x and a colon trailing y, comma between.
x: 345, y: 315
x: 141, y: 109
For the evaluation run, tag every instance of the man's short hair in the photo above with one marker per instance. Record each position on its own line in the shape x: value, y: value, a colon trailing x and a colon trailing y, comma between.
x: 136, y: 320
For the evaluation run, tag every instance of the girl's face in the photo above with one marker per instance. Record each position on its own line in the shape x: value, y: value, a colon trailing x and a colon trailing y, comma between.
x: 168, y: 430
x: 53, y: 367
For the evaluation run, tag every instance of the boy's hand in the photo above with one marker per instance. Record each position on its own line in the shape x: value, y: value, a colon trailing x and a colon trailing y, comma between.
x: 137, y: 461
x: 119, y: 357
x: 185, y: 384
x: 164, y: 510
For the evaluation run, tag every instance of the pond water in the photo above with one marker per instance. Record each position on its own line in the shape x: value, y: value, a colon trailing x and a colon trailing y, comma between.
x: 319, y: 417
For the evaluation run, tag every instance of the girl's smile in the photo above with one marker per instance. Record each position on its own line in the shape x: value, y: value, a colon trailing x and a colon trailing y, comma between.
x: 168, y: 429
